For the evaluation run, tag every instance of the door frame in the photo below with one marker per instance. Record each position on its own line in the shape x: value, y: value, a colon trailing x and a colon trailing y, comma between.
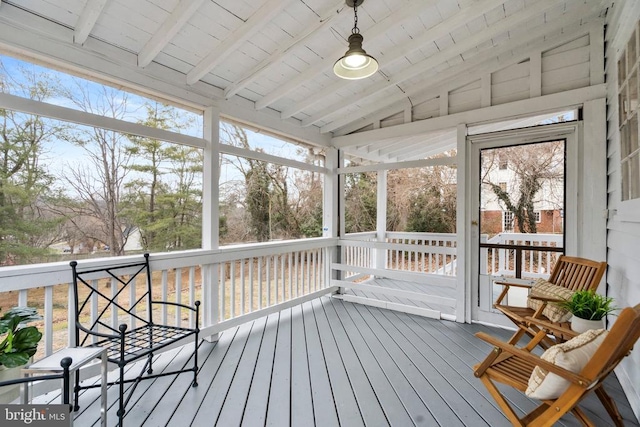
x: 571, y: 133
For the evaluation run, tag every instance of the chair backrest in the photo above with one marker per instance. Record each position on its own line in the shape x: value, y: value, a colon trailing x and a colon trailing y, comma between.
x: 107, y: 297
x: 577, y: 274
x: 617, y: 344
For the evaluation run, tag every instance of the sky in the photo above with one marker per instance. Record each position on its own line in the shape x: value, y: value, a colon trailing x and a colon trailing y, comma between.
x: 61, y: 154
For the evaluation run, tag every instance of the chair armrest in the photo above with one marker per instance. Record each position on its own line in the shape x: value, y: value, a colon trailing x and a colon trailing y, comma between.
x: 518, y: 285
x: 175, y: 304
x: 552, y: 327
x: 534, y: 359
x: 507, y: 285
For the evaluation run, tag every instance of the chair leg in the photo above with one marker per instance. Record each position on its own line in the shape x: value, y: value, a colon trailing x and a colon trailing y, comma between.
x: 497, y: 396
x: 582, y: 417
x: 150, y: 362
x: 195, y: 363
x: 76, y: 390
x: 609, y: 405
x: 121, y: 397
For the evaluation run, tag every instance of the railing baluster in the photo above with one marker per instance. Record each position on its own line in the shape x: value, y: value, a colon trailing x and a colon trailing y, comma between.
x: 252, y: 287
x: 223, y: 293
x: 243, y: 286
x: 48, y: 320
x: 289, y: 267
x: 178, y: 295
x: 192, y: 294
x: 232, y: 290
x: 282, y: 278
x: 165, y: 292
x: 260, y: 282
x: 268, y: 281
x: 94, y: 311
x: 132, y: 301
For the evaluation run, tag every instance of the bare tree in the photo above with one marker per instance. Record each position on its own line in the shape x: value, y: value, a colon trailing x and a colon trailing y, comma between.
x: 98, y: 182
x: 530, y: 167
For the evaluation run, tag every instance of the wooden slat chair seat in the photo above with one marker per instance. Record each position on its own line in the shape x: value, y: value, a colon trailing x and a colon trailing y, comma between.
x: 573, y: 273
x: 137, y: 335
x: 513, y: 366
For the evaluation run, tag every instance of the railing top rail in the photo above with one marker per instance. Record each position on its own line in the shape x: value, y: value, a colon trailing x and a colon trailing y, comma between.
x: 522, y: 247
x: 18, y: 277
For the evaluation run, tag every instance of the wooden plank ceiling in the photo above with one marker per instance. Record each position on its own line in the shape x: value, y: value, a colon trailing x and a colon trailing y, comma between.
x: 276, y: 56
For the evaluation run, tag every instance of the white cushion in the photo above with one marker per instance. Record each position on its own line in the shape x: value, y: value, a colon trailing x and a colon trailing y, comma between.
x: 572, y: 355
x: 553, y: 312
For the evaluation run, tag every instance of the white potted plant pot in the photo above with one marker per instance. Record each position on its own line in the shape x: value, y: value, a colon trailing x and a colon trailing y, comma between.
x: 11, y: 392
x: 583, y: 325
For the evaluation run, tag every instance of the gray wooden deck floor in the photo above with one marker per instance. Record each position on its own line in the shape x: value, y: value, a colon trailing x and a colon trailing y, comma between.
x: 331, y: 363
x: 404, y: 285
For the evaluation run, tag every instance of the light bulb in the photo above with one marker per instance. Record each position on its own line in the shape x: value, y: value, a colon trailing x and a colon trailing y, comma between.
x: 355, y: 61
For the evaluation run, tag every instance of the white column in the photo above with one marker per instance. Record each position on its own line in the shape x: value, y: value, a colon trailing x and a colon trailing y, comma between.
x: 381, y: 219
x: 330, y: 209
x: 210, y: 216
x: 463, y: 230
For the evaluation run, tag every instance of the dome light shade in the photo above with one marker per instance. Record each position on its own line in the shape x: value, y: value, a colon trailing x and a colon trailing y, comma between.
x: 355, y: 64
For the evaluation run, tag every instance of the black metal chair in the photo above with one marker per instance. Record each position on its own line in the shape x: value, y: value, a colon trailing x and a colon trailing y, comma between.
x: 137, y: 335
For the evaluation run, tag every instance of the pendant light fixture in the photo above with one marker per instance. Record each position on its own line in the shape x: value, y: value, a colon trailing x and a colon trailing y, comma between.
x: 355, y: 64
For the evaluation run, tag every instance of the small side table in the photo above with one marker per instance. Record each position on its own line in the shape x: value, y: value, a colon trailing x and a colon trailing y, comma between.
x: 80, y: 356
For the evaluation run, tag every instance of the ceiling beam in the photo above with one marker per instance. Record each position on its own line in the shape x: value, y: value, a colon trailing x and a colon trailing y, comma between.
x: 169, y: 28
x: 379, y: 29
x: 436, y: 32
x: 275, y: 57
x: 233, y: 41
x: 513, y: 21
x: 87, y: 20
x: 471, y: 70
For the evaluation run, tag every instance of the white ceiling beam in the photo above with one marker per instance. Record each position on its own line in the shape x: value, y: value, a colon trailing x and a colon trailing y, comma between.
x: 405, y: 12
x: 232, y: 42
x: 434, y: 33
x: 169, y: 28
x: 517, y: 19
x: 471, y: 70
x: 249, y: 77
x: 87, y: 20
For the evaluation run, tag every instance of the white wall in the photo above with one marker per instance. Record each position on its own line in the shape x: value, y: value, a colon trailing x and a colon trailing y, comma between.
x: 623, y: 226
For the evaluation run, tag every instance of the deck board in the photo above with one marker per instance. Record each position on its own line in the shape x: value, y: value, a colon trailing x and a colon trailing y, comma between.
x: 332, y: 363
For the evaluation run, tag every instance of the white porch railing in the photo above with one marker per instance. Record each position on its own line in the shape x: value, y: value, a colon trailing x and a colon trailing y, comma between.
x: 240, y: 283
x: 535, y: 263
x: 433, y: 253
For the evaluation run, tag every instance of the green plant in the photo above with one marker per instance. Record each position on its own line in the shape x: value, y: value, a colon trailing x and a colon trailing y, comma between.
x: 588, y: 305
x: 19, y: 342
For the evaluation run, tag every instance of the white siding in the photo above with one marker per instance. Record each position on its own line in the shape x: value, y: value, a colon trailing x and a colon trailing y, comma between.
x: 623, y: 227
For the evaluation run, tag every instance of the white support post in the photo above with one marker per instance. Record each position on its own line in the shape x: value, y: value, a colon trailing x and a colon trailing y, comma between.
x: 340, y: 212
x: 330, y: 207
x: 592, y: 202
x: 210, y: 216
x: 463, y: 226
x: 381, y: 220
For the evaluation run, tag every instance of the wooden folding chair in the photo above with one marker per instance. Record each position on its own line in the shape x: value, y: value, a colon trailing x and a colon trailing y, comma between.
x: 513, y: 366
x: 572, y: 273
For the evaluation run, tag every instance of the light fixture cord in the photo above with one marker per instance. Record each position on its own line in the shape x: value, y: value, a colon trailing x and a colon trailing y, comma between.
x: 355, y: 29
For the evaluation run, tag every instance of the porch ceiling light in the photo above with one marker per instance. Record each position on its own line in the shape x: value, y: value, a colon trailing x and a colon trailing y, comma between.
x: 355, y: 64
